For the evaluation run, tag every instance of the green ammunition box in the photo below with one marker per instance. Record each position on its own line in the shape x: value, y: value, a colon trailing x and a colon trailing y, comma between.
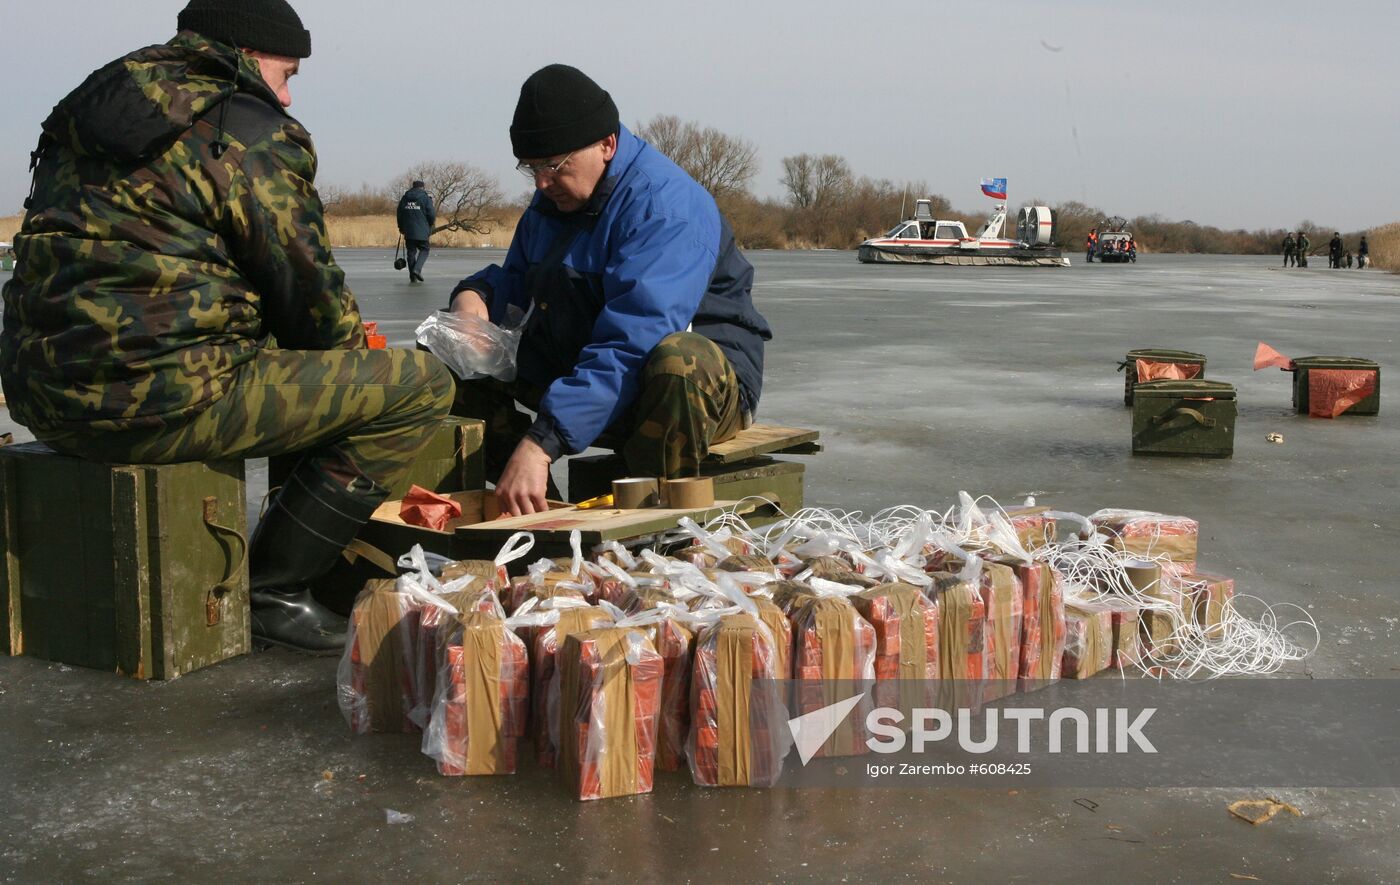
x: 1184, y: 418
x: 1371, y: 405
x: 1157, y: 355
x: 142, y: 570
x: 452, y: 461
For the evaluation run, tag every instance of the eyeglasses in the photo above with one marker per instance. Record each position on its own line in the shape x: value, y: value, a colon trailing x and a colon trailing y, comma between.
x: 548, y: 170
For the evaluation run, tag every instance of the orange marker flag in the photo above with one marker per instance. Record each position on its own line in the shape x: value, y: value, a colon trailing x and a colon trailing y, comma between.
x: 1265, y: 356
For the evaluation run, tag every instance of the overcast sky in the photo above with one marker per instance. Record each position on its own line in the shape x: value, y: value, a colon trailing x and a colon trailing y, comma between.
x: 1239, y: 114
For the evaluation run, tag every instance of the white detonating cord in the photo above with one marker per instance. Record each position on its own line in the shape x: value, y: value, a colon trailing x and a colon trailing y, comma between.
x: 1093, y: 573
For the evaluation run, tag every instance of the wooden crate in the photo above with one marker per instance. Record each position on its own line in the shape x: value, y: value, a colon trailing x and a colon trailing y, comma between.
x: 1184, y: 358
x: 1195, y: 418
x: 141, y: 570
x: 1371, y: 405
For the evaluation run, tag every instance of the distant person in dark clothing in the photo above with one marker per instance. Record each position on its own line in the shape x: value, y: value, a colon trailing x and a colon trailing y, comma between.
x: 1303, y: 245
x: 1363, y: 253
x: 416, y: 219
x: 1334, y: 250
x: 1290, y: 250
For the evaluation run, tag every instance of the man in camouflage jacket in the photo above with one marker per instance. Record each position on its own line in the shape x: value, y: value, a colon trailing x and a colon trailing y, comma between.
x: 175, y: 299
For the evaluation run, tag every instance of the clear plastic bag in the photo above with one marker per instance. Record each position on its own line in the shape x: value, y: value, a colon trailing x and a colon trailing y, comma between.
x: 473, y: 347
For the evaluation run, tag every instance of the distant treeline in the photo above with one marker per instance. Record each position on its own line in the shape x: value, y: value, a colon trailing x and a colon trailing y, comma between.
x: 825, y: 203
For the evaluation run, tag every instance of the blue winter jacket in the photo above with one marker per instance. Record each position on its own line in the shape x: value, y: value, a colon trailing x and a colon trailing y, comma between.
x: 649, y: 255
x: 416, y: 214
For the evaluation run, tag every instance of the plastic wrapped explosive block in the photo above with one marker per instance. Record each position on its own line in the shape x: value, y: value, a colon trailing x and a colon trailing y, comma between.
x: 427, y: 625
x: 962, y: 649
x: 610, y: 699
x: 833, y: 659
x: 780, y: 627
x: 1042, y: 625
x: 543, y: 672
x: 1088, y: 641
x: 906, y: 645
x: 675, y: 643
x: 550, y: 585
x: 1148, y: 535
x: 1204, y: 598
x: 748, y: 562
x: 1126, y: 645
x: 374, y: 681
x: 738, y: 720
x: 789, y: 595
x: 1002, y: 597
x: 1160, y: 619
x: 482, y: 704
x: 838, y: 570
x: 1034, y: 526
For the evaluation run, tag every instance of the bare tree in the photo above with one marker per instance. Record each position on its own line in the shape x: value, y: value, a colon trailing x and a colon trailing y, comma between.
x: 817, y: 181
x: 831, y: 180
x: 722, y: 164
x: 467, y: 199
x: 797, y: 178
x: 666, y: 133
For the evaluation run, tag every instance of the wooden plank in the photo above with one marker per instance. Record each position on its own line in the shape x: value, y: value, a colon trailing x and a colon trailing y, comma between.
x: 597, y: 526
x: 760, y: 439
x: 131, y: 577
x: 11, y: 627
x: 780, y: 482
x: 188, y: 557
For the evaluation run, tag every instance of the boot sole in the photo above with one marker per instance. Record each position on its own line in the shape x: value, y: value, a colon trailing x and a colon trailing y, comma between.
x: 262, y: 644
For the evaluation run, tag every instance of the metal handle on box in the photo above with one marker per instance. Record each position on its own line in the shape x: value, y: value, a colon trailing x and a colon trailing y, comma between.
x: 213, y: 603
x: 1189, y: 413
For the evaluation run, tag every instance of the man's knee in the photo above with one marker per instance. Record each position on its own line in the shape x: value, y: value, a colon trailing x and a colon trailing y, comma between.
x: 436, y: 379
x: 685, y: 355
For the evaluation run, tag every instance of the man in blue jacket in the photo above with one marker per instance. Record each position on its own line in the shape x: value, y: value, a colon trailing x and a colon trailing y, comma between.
x: 640, y: 322
x: 416, y: 219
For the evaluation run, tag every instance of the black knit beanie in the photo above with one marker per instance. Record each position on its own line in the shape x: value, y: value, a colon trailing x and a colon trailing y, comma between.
x: 271, y: 26
x: 560, y: 110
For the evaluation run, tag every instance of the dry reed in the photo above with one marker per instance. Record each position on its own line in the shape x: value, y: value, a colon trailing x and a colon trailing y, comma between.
x: 1385, y: 246
x: 381, y: 232
x: 364, y: 231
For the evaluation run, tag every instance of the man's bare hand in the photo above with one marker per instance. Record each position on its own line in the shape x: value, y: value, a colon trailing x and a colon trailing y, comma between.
x: 523, y: 482
x: 469, y: 303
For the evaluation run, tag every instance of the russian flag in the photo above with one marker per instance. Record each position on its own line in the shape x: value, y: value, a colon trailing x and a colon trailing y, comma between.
x: 994, y: 188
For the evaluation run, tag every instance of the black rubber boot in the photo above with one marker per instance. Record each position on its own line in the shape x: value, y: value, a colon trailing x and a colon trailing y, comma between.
x: 305, y: 528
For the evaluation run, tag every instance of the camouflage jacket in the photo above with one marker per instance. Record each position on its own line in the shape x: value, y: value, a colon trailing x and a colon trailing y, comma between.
x: 174, y: 229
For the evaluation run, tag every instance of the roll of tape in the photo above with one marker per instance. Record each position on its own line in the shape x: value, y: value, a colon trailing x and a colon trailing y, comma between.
x: 635, y: 492
x: 690, y: 492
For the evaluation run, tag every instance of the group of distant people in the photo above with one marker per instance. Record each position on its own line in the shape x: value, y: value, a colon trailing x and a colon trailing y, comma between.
x: 1296, y: 246
x: 1092, y: 246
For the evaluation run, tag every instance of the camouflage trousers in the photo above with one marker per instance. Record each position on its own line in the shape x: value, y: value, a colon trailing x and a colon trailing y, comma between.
x: 358, y: 416
x: 689, y: 399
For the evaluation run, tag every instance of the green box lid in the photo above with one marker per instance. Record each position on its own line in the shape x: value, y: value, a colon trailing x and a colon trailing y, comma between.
x: 1193, y: 389
x: 1335, y: 362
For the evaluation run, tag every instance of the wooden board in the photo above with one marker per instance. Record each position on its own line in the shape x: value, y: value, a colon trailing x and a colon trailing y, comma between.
x: 595, y: 525
x: 113, y: 566
x: 602, y: 524
x: 760, y: 439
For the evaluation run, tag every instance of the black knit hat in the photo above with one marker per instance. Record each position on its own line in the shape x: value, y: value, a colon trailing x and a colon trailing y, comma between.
x: 560, y: 110
x: 271, y: 26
